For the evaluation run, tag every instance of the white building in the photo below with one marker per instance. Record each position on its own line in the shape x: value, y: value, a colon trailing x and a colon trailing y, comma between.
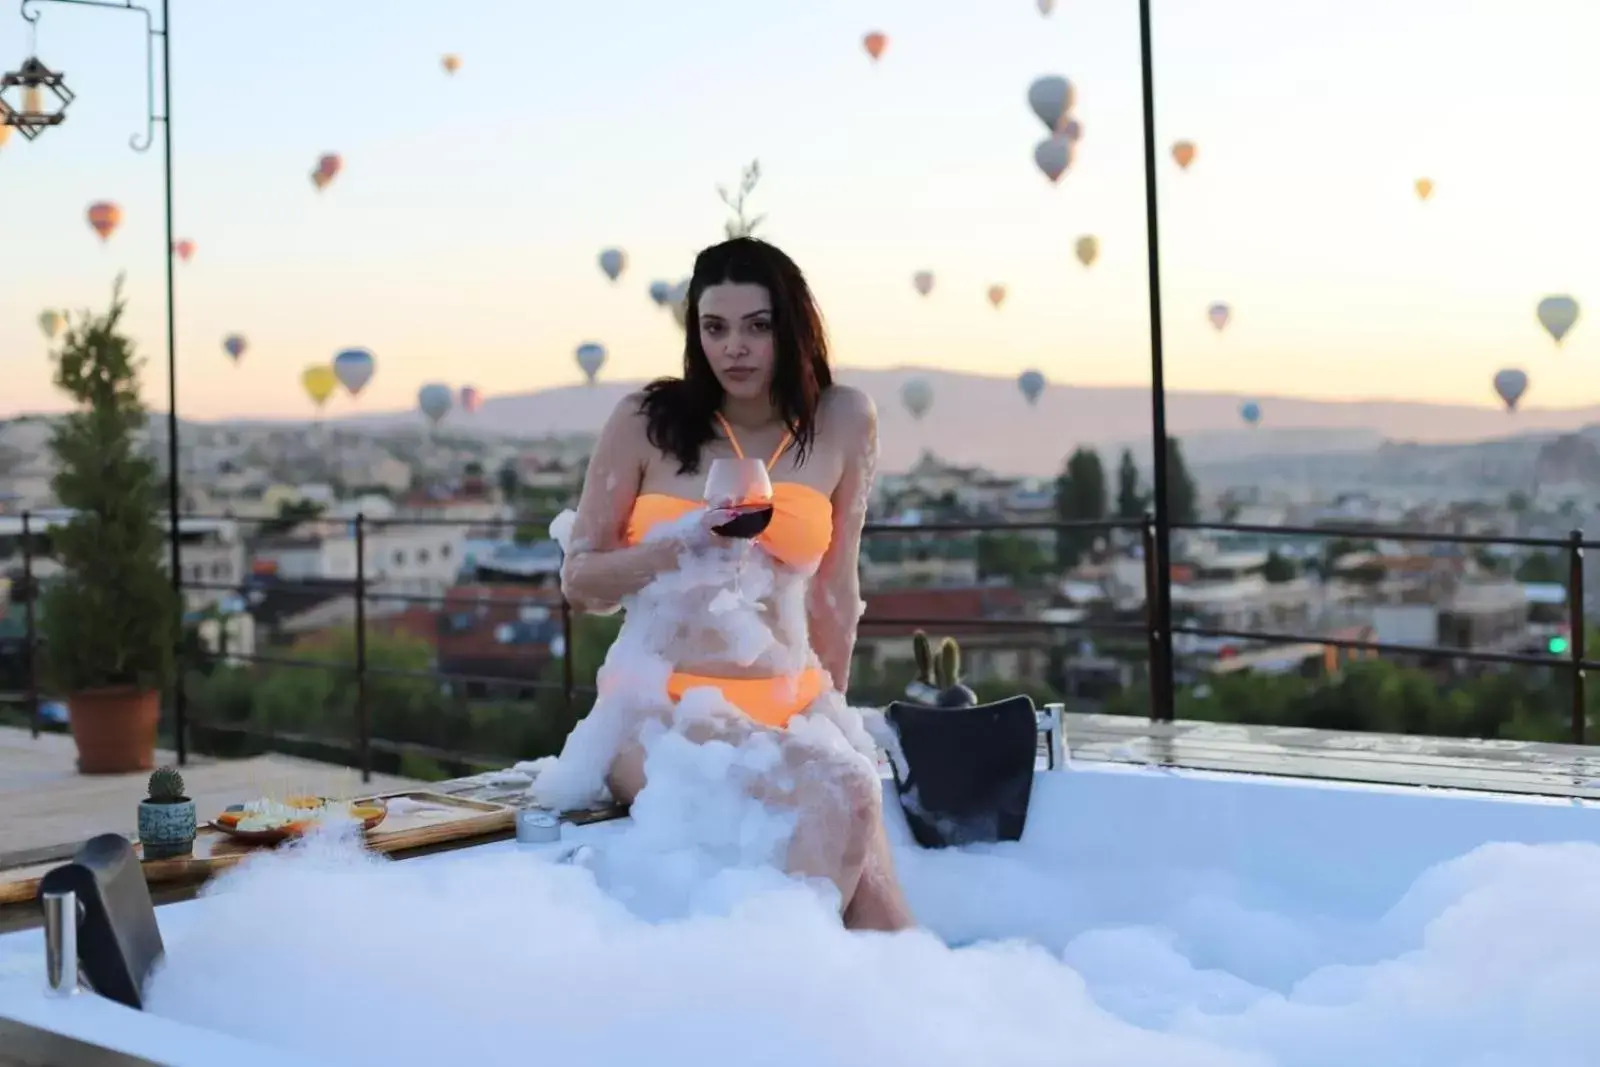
x: 406, y: 560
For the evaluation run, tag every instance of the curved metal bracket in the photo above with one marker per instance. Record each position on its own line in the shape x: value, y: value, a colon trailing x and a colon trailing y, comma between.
x: 138, y: 142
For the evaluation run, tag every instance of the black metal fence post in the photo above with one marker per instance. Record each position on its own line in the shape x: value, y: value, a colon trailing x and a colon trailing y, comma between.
x: 30, y: 639
x: 363, y: 713
x: 1158, y: 626
x: 1159, y: 545
x: 1576, y: 628
x: 567, y: 683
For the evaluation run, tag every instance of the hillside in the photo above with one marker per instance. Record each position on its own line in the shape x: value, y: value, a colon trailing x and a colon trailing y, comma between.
x: 977, y: 419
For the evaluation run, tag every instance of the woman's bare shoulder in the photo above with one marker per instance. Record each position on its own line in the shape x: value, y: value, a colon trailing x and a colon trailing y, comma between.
x: 628, y: 422
x: 848, y: 409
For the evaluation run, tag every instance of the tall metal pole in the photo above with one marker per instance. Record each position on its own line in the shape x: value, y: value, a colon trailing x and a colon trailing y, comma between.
x: 180, y: 710
x: 1161, y: 673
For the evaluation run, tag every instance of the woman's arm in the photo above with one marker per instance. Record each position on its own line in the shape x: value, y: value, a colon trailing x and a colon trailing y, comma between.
x: 835, y: 604
x: 597, y: 572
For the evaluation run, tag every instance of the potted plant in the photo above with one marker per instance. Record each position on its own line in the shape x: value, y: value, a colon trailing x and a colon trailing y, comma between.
x: 166, y: 818
x: 108, y: 621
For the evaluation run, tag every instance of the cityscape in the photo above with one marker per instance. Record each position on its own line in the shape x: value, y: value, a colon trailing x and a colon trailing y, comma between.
x: 1210, y: 382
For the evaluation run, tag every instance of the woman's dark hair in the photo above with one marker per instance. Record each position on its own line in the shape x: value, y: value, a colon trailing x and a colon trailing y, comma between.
x: 680, y: 413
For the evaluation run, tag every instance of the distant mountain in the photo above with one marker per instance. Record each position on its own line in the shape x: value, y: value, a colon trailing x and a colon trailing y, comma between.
x: 979, y: 419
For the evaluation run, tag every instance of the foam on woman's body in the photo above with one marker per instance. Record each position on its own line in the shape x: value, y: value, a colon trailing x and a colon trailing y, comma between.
x: 726, y: 602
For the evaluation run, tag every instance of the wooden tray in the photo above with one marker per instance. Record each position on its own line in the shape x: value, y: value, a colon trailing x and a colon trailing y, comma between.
x: 416, y: 819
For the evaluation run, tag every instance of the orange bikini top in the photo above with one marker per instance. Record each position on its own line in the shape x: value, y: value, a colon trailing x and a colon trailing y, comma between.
x: 802, y: 517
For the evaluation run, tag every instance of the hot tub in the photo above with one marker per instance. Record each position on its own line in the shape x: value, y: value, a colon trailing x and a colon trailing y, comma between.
x: 1148, y: 915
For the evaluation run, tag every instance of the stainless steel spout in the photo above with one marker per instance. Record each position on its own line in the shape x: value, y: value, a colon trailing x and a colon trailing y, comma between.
x: 61, y: 943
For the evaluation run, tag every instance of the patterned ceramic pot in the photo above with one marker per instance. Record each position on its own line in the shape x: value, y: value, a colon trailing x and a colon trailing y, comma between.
x: 166, y: 830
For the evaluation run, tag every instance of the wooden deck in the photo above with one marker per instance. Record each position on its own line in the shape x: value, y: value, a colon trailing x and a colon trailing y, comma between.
x: 46, y: 804
x: 1522, y: 767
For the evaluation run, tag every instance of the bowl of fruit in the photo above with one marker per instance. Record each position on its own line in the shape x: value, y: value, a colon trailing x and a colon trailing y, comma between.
x: 266, y: 821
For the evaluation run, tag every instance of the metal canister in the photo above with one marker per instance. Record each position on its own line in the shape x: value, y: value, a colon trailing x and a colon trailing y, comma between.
x: 538, y: 826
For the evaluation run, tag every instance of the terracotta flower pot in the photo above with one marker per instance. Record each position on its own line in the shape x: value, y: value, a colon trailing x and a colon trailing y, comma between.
x: 115, y: 729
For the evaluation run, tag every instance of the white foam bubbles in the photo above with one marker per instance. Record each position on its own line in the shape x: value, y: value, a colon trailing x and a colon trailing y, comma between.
x: 685, y: 946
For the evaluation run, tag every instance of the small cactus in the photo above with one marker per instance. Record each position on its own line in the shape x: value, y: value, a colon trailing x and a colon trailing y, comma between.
x: 166, y: 785
x: 948, y: 672
x: 952, y: 694
x: 923, y: 650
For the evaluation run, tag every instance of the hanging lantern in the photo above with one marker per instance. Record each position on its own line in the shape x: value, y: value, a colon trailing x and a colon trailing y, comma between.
x: 35, y: 110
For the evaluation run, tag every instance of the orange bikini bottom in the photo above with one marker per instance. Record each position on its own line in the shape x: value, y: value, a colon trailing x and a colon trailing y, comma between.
x: 769, y: 701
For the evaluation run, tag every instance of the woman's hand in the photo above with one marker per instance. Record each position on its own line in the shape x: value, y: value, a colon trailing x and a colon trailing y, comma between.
x: 704, y: 531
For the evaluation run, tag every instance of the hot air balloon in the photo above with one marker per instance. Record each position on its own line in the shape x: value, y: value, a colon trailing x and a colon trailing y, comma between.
x: 1052, y: 98
x: 591, y: 357
x: 875, y: 43
x: 105, y: 217
x: 434, y: 401
x: 319, y: 382
x: 613, y: 261
x: 1088, y: 250
x: 184, y: 249
x: 354, y: 367
x: 1183, y: 152
x: 678, y: 301
x: 922, y: 282
x: 1219, y: 314
x: 1424, y: 188
x: 1558, y: 314
x: 50, y: 323
x: 471, y: 399
x: 997, y: 295
x: 1031, y: 382
x: 328, y: 168
x: 234, y: 344
x: 917, y: 396
x: 1250, y: 412
x: 450, y: 63
x: 1510, y: 384
x: 1046, y: 6
x: 1053, y: 155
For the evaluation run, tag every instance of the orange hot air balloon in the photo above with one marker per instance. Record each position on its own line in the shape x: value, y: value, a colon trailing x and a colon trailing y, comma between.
x: 450, y: 63
x: 319, y: 179
x: 184, y: 249
x: 1183, y: 152
x: 1424, y: 188
x: 997, y: 295
x: 105, y: 217
x: 875, y: 43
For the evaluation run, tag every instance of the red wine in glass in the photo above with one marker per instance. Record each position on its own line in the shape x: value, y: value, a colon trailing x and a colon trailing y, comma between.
x: 744, y: 481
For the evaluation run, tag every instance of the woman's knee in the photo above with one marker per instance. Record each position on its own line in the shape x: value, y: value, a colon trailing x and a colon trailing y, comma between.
x: 626, y: 777
x: 847, y: 778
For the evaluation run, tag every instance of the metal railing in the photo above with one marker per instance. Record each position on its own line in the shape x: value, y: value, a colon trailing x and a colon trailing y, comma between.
x: 1157, y: 620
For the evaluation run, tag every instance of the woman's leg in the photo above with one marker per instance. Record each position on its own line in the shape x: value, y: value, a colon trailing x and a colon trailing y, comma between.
x: 879, y: 903
x: 839, y: 834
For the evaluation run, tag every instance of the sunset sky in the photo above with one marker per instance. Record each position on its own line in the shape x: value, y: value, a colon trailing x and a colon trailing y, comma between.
x: 460, y: 242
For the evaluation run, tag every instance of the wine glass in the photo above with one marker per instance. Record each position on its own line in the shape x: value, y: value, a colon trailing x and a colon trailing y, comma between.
x: 746, y: 484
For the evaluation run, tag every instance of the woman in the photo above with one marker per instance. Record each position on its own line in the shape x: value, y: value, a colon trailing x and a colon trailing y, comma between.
x: 756, y: 383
